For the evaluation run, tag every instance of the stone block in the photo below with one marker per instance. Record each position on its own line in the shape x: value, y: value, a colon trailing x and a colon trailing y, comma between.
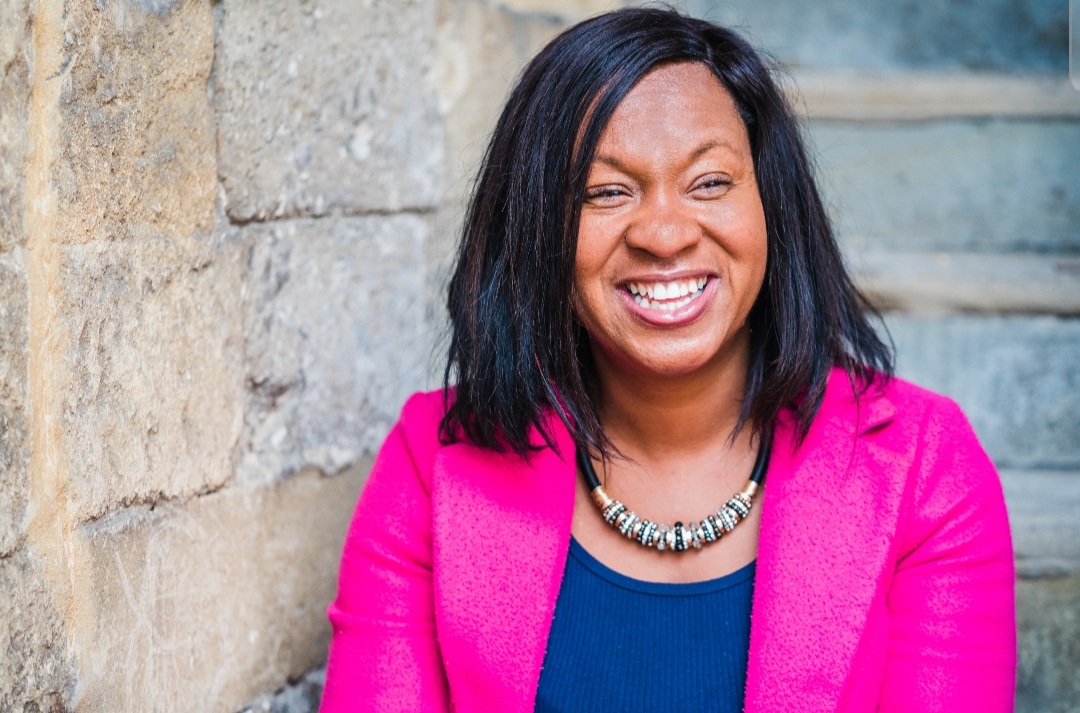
x: 134, y: 126
x: 1043, y: 507
x: 994, y: 186
x: 14, y: 113
x: 335, y: 339
x: 1046, y: 535
x: 924, y: 96
x: 1048, y: 624
x: 1015, y: 377
x: 994, y: 35
x: 201, y: 608
x: 152, y: 402
x: 326, y: 106
x: 481, y: 49
x: 573, y: 9
x: 941, y: 283
x: 14, y: 436
x: 35, y: 671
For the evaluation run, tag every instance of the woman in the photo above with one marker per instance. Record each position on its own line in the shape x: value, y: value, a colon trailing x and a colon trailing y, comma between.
x: 648, y: 298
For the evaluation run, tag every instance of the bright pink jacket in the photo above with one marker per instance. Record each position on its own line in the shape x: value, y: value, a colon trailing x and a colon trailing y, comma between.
x: 884, y: 572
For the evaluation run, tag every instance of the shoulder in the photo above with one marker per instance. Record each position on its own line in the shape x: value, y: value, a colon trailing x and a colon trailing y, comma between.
x: 418, y: 426
x: 891, y: 404
x: 924, y: 444
x: 909, y: 438
x: 423, y: 412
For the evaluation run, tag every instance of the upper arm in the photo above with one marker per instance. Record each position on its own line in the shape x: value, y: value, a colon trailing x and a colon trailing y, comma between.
x: 384, y: 655
x: 952, y: 635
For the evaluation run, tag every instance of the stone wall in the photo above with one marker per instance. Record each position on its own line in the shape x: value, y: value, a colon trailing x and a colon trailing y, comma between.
x: 215, y: 219
x: 224, y: 228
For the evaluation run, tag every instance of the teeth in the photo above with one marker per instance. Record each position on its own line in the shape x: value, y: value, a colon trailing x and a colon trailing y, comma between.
x: 666, y: 295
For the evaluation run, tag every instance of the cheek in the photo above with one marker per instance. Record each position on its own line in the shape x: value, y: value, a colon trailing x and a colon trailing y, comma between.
x: 755, y: 244
x: 756, y: 272
x: 579, y: 292
x: 583, y: 300
x: 587, y: 268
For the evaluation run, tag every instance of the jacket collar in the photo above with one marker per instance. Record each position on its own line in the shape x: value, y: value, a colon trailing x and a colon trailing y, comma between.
x: 497, y: 574
x: 821, y: 556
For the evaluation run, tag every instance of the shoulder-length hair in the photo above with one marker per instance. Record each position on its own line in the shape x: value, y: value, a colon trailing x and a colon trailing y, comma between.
x: 517, y: 352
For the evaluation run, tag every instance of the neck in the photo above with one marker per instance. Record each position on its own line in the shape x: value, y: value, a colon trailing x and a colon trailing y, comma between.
x: 659, y: 416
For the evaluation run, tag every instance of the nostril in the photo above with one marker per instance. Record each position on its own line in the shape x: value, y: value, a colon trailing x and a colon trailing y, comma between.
x: 663, y: 240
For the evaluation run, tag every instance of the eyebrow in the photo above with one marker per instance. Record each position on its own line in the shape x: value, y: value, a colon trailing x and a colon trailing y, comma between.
x: 709, y: 146
x: 694, y: 155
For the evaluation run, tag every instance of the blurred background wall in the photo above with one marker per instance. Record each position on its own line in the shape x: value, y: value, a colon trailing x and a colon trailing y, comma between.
x: 224, y: 232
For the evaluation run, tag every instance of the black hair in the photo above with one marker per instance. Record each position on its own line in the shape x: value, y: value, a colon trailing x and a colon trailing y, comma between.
x: 517, y: 351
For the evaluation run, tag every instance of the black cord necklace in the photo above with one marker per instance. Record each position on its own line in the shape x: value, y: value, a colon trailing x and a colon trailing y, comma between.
x: 678, y: 537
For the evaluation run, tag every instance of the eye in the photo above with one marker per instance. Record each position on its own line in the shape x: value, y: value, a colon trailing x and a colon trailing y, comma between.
x: 607, y: 195
x: 712, y: 185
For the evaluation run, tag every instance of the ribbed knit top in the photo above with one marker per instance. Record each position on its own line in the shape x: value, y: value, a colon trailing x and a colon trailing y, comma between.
x: 622, y: 644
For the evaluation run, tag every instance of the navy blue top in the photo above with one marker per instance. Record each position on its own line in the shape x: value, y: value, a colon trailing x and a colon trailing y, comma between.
x: 620, y: 644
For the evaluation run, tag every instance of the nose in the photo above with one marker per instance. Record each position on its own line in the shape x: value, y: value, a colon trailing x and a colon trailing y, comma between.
x: 664, y: 227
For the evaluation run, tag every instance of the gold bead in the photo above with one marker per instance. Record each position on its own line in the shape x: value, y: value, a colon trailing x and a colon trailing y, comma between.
x: 601, y: 498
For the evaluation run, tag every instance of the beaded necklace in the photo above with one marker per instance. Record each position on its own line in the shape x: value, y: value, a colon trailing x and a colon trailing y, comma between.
x: 678, y: 537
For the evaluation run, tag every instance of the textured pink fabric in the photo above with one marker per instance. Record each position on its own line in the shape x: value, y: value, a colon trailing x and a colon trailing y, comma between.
x: 884, y: 573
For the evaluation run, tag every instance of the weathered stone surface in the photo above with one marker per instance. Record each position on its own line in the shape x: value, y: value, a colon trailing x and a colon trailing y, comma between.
x: 300, y: 697
x: 335, y: 339
x: 993, y: 35
x: 941, y: 283
x: 572, y: 9
x: 136, y: 154
x: 924, y: 96
x: 1015, y: 377
x: 326, y: 106
x: 203, y: 607
x: 1043, y: 507
x: 990, y: 187
x: 155, y: 394
x: 14, y: 111
x: 14, y: 436
x: 35, y: 673
x: 481, y: 50
x: 1048, y: 620
x: 481, y: 47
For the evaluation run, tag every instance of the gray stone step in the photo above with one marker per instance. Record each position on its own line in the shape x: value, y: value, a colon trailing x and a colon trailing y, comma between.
x: 1029, y: 36
x: 947, y: 283
x: 922, y: 96
x: 1016, y: 378
x: 986, y: 186
x: 1043, y: 511
x: 1048, y: 629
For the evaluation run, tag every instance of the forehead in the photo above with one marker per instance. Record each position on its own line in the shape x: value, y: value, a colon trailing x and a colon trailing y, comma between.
x: 675, y: 105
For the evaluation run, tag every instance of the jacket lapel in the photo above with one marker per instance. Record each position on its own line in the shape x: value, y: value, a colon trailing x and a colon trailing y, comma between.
x: 821, y: 557
x: 498, y: 571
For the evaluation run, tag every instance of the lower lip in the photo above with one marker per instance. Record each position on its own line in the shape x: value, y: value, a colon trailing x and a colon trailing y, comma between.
x: 677, y: 317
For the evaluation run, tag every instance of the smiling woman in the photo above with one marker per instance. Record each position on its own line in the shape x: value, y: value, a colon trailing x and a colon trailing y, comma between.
x: 670, y: 467
x: 671, y: 242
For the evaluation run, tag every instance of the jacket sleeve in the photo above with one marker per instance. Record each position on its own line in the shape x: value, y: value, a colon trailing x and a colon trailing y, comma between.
x: 952, y: 635
x: 384, y: 656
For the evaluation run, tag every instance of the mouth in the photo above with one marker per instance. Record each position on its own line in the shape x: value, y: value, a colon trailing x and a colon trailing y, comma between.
x: 666, y: 296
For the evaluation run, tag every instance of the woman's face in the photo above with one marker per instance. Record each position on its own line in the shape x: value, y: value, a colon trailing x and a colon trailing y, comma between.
x: 672, y: 244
